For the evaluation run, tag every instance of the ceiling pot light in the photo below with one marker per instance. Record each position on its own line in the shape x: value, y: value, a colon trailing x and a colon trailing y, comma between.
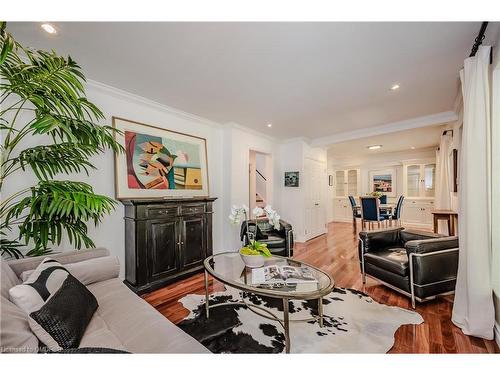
x: 413, y: 147
x: 269, y: 125
x: 47, y: 27
x: 374, y: 147
x: 395, y: 87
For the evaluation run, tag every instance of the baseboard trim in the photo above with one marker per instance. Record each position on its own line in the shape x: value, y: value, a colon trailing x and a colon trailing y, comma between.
x: 496, y: 330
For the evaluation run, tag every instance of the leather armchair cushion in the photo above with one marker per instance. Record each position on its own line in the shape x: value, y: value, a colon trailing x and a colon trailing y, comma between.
x: 432, y: 244
x: 274, y: 241
x: 393, y: 260
x: 412, y: 235
x: 375, y: 241
x: 401, y: 282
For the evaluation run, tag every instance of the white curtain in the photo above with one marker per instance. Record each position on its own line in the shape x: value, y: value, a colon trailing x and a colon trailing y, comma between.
x: 443, y: 179
x: 473, y: 308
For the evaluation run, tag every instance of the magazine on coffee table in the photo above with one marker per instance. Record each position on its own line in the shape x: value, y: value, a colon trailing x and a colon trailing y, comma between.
x: 270, y: 275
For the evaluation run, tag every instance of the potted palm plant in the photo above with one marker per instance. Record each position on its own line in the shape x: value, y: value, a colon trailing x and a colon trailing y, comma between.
x: 42, y: 96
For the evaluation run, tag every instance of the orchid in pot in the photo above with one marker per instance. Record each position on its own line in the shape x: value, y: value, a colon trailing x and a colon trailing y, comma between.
x: 255, y: 252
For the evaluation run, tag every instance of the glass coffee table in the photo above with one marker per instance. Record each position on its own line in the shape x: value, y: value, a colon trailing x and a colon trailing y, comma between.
x: 229, y: 269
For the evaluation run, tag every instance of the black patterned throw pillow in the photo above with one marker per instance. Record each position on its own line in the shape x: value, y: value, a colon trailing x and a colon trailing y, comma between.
x: 59, y: 306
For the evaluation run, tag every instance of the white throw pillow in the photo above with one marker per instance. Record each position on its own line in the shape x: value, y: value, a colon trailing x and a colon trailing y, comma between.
x: 44, y: 281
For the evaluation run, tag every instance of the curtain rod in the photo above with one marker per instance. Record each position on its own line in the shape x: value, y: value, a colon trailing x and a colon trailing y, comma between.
x: 479, y: 40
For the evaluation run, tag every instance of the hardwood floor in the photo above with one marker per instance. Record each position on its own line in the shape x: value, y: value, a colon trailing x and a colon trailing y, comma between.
x: 336, y: 253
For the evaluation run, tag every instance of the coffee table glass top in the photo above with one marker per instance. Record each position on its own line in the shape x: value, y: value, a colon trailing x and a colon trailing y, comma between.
x: 230, y: 269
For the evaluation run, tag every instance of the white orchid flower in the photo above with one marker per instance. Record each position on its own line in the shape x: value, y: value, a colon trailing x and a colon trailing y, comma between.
x: 257, y: 211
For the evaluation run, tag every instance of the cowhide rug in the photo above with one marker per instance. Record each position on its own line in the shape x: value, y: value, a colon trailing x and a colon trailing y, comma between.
x: 353, y: 323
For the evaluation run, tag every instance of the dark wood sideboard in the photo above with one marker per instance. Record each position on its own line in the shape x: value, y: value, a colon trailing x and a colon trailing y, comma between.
x: 165, y: 240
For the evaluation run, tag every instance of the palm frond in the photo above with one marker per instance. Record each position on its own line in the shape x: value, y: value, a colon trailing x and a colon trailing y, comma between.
x: 10, y: 247
x: 6, y: 43
x: 55, y: 207
x: 46, y: 161
x: 66, y: 129
x: 54, y: 84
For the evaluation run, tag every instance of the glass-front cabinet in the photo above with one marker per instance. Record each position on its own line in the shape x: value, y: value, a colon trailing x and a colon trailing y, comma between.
x: 419, y: 180
x: 347, y: 183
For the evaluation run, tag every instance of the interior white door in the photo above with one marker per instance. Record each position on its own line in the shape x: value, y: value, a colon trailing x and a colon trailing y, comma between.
x: 315, y: 185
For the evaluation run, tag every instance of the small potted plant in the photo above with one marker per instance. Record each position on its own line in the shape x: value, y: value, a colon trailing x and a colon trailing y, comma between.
x: 254, y: 253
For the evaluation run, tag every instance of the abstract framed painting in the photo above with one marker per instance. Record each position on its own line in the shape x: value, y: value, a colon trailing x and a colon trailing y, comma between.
x: 159, y: 163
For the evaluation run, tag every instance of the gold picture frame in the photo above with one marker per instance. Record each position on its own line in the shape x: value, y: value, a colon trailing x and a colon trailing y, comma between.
x: 158, y: 162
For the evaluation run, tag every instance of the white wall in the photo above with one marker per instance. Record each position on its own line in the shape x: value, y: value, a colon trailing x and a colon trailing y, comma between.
x: 110, y: 233
x: 237, y: 144
x: 292, y: 199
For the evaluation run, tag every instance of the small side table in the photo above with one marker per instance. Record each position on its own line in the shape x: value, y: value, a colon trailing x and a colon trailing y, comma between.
x: 450, y: 216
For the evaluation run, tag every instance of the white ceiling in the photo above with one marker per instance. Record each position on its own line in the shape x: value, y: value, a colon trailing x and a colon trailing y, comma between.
x: 308, y: 79
x: 420, y: 138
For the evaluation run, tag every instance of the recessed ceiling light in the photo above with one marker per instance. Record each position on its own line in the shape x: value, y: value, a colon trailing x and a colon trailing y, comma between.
x: 49, y: 28
x: 413, y: 147
x: 395, y: 87
x: 374, y: 147
x: 269, y: 125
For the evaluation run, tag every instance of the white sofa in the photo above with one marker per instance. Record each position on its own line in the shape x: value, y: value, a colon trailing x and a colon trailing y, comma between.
x: 122, y: 321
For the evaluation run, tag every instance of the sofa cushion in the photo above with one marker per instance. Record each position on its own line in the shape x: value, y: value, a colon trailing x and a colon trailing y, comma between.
x: 59, y: 306
x: 73, y: 256
x: 89, y: 271
x: 61, y: 322
x: 15, y: 333
x: 135, y: 324
x: 392, y: 259
x: 8, y: 279
x: 46, y: 279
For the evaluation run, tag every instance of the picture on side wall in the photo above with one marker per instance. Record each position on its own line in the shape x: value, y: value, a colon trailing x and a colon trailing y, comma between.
x: 292, y: 179
x: 384, y: 182
x: 159, y: 163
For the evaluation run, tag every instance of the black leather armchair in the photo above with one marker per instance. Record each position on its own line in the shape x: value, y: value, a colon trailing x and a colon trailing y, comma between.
x: 279, y: 241
x: 421, y: 265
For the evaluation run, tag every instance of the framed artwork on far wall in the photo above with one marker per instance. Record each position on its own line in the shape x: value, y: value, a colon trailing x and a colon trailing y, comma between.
x: 292, y: 179
x: 383, y: 181
x: 159, y: 163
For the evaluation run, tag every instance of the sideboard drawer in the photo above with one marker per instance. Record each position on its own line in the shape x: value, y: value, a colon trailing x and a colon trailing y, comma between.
x: 192, y: 209
x: 161, y: 212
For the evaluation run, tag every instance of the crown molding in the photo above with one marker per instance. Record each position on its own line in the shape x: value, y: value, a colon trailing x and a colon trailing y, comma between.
x: 413, y: 123
x: 125, y: 95
x: 295, y: 139
x: 234, y: 125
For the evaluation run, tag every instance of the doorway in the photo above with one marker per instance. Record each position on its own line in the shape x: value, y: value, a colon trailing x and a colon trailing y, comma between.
x: 315, y: 193
x: 260, y: 180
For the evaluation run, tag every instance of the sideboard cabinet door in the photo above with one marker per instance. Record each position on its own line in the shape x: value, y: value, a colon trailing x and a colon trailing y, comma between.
x: 162, y: 249
x: 193, y: 245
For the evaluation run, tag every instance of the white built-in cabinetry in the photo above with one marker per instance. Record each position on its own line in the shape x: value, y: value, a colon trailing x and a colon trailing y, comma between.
x: 346, y: 182
x: 419, y: 184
